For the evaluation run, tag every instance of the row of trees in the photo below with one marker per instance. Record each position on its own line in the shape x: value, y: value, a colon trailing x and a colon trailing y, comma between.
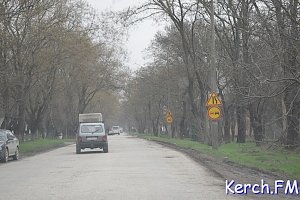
x: 257, y: 44
x: 56, y: 56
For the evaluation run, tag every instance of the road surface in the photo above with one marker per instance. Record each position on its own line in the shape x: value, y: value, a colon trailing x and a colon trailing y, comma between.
x: 134, y: 169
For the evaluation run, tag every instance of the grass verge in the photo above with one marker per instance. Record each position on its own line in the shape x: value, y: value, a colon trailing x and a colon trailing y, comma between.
x: 42, y: 145
x: 248, y: 154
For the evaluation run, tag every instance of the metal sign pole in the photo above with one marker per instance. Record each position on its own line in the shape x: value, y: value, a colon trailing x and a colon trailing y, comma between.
x: 213, y: 76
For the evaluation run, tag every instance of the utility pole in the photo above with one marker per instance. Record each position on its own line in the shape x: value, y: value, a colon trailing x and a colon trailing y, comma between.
x: 213, y: 76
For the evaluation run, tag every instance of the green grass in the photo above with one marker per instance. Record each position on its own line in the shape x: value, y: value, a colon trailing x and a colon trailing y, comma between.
x: 41, y: 145
x: 248, y: 154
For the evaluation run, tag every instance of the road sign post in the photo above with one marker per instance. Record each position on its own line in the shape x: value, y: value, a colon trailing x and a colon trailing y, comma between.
x: 214, y: 113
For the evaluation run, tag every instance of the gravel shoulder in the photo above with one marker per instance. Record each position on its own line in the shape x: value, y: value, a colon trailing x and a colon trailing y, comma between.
x: 228, y: 170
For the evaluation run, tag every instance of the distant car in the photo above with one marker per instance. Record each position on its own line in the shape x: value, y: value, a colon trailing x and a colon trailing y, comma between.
x: 9, y: 146
x: 115, y: 130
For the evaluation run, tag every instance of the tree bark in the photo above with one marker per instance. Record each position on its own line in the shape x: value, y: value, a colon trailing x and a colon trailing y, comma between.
x: 292, y: 117
x: 288, y: 37
x: 21, y: 118
x: 232, y: 122
x: 256, y: 123
x: 241, y: 122
x: 226, y: 118
x: 182, y: 121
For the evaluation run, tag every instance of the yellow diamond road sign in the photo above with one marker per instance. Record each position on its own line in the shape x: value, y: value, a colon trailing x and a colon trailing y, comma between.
x: 213, y: 100
x: 214, y: 113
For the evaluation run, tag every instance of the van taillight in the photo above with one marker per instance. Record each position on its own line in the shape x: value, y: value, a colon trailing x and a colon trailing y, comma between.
x: 104, y: 138
x: 79, y: 139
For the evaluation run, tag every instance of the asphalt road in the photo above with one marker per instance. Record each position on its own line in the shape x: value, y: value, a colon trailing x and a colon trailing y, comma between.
x: 134, y: 169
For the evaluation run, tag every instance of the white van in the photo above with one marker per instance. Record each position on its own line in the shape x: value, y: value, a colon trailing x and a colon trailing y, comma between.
x: 91, y: 133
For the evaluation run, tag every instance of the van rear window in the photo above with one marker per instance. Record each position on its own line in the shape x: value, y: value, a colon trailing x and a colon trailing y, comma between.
x: 91, y: 129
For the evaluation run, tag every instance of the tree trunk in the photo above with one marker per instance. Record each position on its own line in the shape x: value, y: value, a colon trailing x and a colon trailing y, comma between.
x: 241, y: 122
x: 292, y: 96
x: 182, y: 121
x: 154, y: 128
x: 284, y: 118
x: 203, y: 115
x: 226, y: 125
x: 289, y: 33
x: 256, y: 123
x: 292, y: 117
x: 5, y: 124
x: 172, y: 130
x: 232, y: 122
x: 21, y: 120
x: 33, y: 128
x: 226, y: 118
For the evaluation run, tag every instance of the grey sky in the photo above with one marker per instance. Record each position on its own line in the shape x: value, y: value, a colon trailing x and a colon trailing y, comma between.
x: 140, y: 36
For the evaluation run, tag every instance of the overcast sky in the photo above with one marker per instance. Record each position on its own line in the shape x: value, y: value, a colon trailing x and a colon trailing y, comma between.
x: 140, y: 36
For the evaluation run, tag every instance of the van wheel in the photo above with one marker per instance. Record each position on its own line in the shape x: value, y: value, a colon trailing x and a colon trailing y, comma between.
x: 78, y: 150
x: 105, y: 149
